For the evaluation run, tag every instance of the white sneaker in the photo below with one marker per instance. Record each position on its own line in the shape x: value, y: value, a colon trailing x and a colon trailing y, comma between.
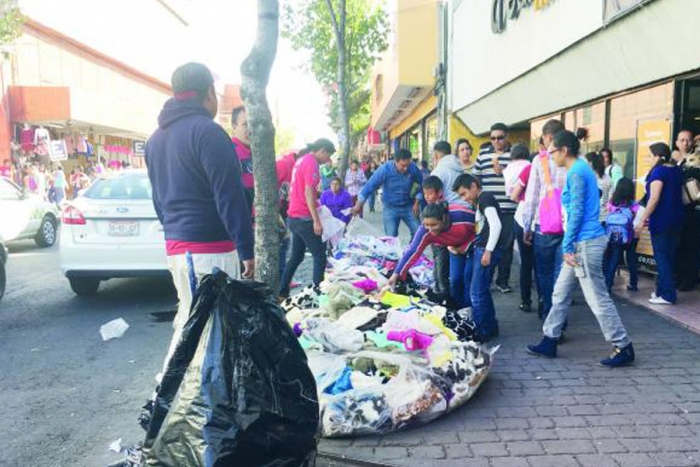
x: 653, y: 295
x: 659, y: 301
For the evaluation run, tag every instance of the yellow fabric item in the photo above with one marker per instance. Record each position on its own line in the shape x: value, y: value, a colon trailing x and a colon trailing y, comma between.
x: 395, y: 300
x: 435, y: 320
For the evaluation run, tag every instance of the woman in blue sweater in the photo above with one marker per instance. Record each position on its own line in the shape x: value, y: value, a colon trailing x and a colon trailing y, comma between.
x: 664, y: 210
x: 584, y: 245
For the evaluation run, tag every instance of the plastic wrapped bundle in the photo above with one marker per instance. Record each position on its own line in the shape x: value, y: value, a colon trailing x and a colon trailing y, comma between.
x: 382, y: 360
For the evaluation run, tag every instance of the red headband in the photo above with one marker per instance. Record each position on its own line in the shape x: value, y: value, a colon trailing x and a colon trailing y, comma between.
x: 183, y: 96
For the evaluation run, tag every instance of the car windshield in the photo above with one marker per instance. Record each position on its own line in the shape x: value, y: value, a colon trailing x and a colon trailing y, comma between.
x: 132, y: 186
x: 8, y: 190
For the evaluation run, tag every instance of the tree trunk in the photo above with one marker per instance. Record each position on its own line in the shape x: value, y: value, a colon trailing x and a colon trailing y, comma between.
x: 256, y: 74
x: 339, y: 22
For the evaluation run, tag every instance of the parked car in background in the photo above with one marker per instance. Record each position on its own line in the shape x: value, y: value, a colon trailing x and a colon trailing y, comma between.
x: 111, y: 231
x: 26, y: 216
x: 3, y: 263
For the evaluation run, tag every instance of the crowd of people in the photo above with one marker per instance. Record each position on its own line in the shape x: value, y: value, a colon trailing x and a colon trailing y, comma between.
x: 51, y: 181
x: 574, y: 217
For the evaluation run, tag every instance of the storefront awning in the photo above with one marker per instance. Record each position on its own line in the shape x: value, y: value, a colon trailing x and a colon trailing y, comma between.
x: 39, y: 104
x: 631, y: 52
x: 80, y: 111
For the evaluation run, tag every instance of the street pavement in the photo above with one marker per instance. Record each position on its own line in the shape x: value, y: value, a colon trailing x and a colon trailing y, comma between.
x: 66, y: 394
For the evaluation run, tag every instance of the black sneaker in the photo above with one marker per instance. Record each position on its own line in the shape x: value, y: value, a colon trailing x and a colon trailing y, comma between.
x: 525, y: 307
x: 504, y: 289
x: 632, y: 289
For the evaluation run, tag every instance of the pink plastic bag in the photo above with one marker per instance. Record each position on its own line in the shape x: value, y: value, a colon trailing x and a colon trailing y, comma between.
x: 550, y: 209
x: 550, y: 212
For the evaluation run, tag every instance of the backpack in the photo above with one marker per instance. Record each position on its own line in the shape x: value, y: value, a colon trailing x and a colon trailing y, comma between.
x: 619, y: 228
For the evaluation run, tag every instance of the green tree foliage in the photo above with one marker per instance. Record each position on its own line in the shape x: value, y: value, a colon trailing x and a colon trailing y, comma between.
x: 284, y: 141
x: 10, y: 21
x: 309, y: 27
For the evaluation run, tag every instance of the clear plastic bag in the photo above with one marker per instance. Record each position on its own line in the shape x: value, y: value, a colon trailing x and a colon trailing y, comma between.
x: 332, y: 228
x: 359, y: 226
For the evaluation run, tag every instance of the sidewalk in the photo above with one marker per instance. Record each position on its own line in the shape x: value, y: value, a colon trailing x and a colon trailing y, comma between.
x: 563, y: 412
x: 686, y: 312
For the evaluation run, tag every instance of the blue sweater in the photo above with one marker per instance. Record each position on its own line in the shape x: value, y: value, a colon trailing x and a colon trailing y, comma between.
x: 669, y: 214
x: 397, y: 186
x: 581, y: 201
x: 197, y: 189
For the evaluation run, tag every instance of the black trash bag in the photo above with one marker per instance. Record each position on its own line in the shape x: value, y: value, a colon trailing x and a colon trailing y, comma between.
x: 238, y: 390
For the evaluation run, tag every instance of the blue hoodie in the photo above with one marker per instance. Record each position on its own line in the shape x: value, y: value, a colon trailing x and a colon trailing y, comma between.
x: 197, y: 189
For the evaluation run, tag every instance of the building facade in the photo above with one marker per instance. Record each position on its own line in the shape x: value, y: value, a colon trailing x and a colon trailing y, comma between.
x: 65, y: 101
x: 403, y: 102
x: 626, y: 70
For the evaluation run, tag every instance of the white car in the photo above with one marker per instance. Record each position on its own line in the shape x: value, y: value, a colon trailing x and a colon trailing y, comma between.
x: 110, y: 231
x: 26, y: 216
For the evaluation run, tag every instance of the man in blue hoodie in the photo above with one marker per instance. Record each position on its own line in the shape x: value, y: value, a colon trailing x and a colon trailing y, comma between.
x: 401, y: 180
x: 198, y: 193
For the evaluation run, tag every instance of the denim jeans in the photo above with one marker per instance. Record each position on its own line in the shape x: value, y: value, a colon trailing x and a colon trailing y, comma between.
x: 441, y: 271
x: 393, y: 217
x: 614, y: 258
x: 371, y: 201
x: 527, y: 264
x: 590, y: 254
x: 507, y: 234
x: 665, y: 245
x: 284, y: 249
x: 548, y: 257
x: 484, y: 311
x: 303, y: 238
x: 461, y: 268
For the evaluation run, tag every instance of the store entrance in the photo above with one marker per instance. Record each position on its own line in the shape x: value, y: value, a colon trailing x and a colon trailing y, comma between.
x: 687, y: 105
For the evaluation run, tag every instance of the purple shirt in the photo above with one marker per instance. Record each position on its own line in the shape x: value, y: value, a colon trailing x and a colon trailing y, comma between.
x: 337, y: 203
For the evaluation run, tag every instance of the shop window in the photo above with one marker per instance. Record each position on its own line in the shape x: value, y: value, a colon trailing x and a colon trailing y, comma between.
x: 536, y: 131
x: 626, y: 114
x: 570, y: 120
x: 431, y: 137
x: 592, y: 117
x: 414, y: 143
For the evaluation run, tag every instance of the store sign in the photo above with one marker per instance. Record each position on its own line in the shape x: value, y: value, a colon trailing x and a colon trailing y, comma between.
x: 57, y: 150
x: 616, y: 8
x: 504, y: 10
x: 139, y: 148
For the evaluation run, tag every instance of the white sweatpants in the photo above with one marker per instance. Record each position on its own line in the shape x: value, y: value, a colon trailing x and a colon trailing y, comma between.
x: 203, y: 264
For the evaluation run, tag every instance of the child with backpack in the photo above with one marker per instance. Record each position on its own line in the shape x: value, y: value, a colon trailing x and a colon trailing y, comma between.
x: 622, y: 211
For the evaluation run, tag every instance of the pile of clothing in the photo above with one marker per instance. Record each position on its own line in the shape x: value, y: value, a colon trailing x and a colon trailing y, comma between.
x: 381, y: 253
x: 382, y: 360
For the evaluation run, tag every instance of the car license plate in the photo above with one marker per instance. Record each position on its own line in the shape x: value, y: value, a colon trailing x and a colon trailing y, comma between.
x: 123, y: 228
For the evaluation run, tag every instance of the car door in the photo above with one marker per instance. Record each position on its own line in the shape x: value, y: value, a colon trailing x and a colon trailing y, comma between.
x: 16, y: 212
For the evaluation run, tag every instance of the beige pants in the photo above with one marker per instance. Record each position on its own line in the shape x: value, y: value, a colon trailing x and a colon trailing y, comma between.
x: 203, y: 264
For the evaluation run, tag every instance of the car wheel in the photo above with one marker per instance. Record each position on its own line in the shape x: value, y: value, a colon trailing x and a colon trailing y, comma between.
x: 3, y: 278
x: 46, y: 236
x: 84, y: 286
